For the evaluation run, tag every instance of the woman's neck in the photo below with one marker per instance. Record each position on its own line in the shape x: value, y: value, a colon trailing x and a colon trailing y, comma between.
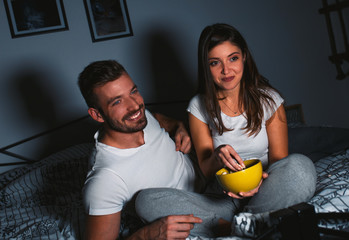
x: 229, y: 103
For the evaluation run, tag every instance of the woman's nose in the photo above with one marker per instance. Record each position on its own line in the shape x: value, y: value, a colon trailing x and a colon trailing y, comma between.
x: 225, y: 69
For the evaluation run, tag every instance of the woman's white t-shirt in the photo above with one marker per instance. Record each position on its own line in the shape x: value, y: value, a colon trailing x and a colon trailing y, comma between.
x: 248, y: 147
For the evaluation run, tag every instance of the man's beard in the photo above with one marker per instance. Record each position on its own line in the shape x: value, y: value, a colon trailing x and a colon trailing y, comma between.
x: 123, y: 126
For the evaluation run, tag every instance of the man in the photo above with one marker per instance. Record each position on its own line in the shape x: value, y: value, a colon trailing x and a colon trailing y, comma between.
x: 132, y: 152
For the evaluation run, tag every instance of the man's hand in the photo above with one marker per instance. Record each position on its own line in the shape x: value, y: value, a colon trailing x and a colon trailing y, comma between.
x: 241, y: 195
x: 182, y: 139
x: 171, y: 227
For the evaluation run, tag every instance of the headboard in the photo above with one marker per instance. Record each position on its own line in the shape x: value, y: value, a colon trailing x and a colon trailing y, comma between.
x: 81, y: 130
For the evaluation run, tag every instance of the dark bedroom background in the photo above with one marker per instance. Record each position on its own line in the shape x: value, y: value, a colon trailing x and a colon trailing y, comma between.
x: 38, y: 72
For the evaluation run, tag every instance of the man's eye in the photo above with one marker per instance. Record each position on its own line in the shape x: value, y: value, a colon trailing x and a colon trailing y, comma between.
x: 116, y: 102
x: 134, y: 91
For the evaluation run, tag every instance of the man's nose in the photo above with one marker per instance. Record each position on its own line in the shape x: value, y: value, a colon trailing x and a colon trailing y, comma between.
x: 132, y: 104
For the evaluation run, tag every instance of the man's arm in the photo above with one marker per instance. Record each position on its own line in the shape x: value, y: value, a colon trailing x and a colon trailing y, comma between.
x: 177, y: 130
x: 103, y: 227
x: 171, y: 227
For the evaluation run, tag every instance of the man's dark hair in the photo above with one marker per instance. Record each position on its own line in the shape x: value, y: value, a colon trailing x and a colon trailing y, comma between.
x: 97, y: 74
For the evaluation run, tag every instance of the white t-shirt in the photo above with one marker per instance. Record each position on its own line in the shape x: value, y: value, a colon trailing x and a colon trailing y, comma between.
x: 117, y: 174
x: 255, y: 146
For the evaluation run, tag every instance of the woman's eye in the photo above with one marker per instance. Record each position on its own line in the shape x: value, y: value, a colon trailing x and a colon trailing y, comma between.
x: 213, y: 63
x: 233, y: 59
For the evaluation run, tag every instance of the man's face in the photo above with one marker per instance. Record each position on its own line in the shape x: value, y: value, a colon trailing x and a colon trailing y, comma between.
x: 121, y: 105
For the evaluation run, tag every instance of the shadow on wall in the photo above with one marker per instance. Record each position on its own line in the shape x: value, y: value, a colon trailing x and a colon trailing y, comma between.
x: 36, y: 102
x: 171, y: 81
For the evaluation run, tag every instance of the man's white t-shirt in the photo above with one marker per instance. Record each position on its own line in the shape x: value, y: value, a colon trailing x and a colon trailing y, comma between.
x: 248, y: 147
x: 117, y: 174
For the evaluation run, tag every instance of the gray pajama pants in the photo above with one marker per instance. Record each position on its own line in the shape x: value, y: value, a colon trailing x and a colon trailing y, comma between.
x: 291, y: 180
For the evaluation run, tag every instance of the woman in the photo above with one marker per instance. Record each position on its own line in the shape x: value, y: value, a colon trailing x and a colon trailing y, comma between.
x: 238, y: 115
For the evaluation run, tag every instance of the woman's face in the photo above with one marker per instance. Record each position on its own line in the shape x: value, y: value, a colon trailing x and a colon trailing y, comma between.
x: 226, y: 63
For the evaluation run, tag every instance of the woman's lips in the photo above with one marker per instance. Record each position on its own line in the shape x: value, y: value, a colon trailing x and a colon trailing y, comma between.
x: 228, y: 79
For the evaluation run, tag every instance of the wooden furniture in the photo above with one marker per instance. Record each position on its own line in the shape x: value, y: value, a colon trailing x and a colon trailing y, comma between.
x: 330, y: 10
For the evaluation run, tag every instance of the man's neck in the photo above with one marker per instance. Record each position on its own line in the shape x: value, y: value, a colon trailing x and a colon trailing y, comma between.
x: 123, y: 140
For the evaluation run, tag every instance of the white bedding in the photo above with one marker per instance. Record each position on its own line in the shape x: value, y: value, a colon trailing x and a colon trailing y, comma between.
x: 332, y: 189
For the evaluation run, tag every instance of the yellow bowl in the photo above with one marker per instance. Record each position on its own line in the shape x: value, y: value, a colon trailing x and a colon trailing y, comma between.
x: 241, y: 181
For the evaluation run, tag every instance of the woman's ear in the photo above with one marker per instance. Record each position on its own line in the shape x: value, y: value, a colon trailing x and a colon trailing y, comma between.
x: 96, y: 115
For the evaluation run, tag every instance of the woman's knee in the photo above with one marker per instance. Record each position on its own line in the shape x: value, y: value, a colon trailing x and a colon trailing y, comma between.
x: 303, y: 166
x: 291, y: 180
x: 299, y: 171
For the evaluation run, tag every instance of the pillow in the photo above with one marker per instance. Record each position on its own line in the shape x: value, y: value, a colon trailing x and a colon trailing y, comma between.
x: 317, y: 142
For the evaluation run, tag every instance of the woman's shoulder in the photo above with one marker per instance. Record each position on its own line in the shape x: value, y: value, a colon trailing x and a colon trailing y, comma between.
x: 197, y: 108
x: 195, y: 102
x: 270, y: 107
x: 273, y: 94
x: 196, y: 99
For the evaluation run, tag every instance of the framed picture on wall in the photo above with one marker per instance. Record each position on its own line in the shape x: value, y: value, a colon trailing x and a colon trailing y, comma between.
x: 108, y: 19
x: 29, y: 17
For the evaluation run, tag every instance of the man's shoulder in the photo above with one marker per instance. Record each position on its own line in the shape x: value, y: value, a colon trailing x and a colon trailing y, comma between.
x: 104, y: 192
x: 152, y: 124
x: 102, y: 174
x: 102, y: 181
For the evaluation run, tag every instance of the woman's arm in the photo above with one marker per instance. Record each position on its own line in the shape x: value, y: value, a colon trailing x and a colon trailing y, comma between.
x: 169, y: 124
x: 210, y: 159
x: 203, y: 144
x: 277, y: 135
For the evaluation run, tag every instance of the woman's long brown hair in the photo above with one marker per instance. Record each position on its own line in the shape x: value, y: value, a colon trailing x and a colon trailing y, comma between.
x: 252, y: 95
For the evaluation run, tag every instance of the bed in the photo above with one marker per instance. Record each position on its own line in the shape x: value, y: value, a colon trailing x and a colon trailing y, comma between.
x: 43, y: 200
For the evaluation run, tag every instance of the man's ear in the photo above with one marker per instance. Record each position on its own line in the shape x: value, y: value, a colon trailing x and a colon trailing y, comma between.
x: 95, y: 114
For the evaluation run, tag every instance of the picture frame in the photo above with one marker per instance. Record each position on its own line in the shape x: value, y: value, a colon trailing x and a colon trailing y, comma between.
x: 108, y: 19
x: 30, y: 17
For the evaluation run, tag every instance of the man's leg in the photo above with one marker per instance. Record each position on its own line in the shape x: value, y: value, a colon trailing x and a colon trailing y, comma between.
x: 152, y: 204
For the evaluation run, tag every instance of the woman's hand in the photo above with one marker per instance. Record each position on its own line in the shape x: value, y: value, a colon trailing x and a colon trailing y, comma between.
x: 229, y: 157
x: 182, y: 139
x: 251, y: 193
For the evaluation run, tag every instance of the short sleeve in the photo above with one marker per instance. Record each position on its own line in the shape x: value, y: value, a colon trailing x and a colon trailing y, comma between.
x: 197, y: 108
x: 278, y: 100
x: 104, y: 193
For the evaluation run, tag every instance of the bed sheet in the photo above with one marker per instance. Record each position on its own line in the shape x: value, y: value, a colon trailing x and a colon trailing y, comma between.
x: 43, y: 200
x: 332, y: 188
